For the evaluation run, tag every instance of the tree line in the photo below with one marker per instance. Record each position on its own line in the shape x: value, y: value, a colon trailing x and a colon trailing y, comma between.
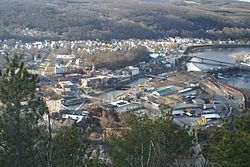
x: 83, y: 20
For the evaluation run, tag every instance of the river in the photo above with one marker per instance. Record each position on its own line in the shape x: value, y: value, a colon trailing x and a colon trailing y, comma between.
x: 111, y: 96
x: 239, y: 80
x: 224, y: 54
x: 186, y: 1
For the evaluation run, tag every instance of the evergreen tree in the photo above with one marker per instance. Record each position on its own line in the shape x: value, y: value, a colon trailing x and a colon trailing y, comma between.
x: 229, y: 146
x: 149, y: 142
x: 68, y: 148
x: 20, y: 115
x: 71, y: 149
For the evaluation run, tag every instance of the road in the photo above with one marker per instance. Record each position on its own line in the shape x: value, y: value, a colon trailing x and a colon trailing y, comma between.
x: 228, y: 96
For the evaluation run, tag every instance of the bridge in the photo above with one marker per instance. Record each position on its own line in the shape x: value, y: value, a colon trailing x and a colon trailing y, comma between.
x: 186, y: 58
x: 205, y: 61
x: 220, y: 63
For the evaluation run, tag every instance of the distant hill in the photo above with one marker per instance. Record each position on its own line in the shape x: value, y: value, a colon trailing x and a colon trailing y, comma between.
x: 120, y: 19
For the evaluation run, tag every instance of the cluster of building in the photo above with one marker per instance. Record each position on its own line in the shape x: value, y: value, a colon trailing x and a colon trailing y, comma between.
x: 168, y: 45
x: 71, y: 88
x: 184, y: 101
x: 32, y: 33
x: 39, y: 54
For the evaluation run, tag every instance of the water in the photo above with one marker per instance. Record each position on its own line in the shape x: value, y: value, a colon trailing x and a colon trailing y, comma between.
x: 244, y: 0
x: 241, y: 80
x: 111, y: 96
x: 170, y: 0
x: 225, y: 54
x: 156, y: 0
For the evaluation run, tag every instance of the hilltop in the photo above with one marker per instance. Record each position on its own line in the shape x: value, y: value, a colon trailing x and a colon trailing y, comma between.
x: 120, y: 19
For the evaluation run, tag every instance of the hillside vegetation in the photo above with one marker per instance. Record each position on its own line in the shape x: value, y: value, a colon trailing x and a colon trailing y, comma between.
x: 120, y: 19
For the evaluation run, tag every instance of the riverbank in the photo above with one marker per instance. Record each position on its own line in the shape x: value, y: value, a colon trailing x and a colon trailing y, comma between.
x: 193, y: 48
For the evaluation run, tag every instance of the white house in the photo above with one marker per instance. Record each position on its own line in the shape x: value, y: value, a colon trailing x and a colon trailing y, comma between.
x: 60, y: 69
x: 133, y: 70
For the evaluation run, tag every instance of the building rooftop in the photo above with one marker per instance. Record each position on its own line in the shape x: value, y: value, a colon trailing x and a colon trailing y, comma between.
x: 211, y: 116
x: 77, y: 118
x: 74, y: 101
x: 120, y: 103
x: 165, y: 91
x: 66, y: 83
x: 67, y: 57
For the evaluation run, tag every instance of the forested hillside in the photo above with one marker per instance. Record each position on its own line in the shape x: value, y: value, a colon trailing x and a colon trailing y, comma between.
x: 120, y: 19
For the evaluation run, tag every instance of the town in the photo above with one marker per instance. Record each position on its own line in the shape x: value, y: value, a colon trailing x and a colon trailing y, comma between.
x: 95, y: 98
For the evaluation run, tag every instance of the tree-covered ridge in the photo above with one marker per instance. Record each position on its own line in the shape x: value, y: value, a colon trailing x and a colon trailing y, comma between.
x: 107, y: 20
